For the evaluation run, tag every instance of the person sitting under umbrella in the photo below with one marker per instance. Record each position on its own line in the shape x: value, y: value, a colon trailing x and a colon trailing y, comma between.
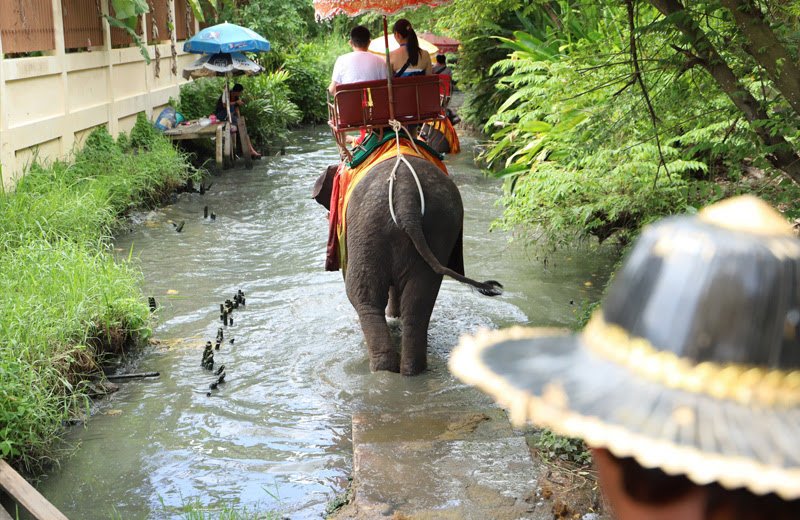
x: 409, y: 59
x: 223, y: 107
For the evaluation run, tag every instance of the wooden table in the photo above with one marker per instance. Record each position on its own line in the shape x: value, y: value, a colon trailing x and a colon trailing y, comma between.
x: 198, y: 131
x: 222, y: 132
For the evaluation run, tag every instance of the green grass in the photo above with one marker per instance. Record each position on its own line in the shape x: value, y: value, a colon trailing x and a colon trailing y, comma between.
x: 65, y: 300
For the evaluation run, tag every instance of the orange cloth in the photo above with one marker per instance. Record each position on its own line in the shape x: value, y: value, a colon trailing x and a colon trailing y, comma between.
x: 343, y: 183
x: 446, y: 128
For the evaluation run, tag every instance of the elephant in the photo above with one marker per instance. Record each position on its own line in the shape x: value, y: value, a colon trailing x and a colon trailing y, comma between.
x: 434, y: 137
x: 396, y: 269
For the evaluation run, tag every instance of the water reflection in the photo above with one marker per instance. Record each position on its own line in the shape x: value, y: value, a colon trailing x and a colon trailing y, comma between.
x: 277, y: 432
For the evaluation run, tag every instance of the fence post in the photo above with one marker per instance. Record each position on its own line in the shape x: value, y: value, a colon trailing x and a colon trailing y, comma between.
x: 148, y: 83
x: 173, y: 42
x: 113, y: 119
x: 67, y: 140
x: 4, y: 159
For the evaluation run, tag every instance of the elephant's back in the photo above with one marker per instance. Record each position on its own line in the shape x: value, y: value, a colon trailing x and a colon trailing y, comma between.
x: 441, y: 196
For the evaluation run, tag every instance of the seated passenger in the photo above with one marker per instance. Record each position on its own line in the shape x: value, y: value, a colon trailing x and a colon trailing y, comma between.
x: 359, y: 65
x: 441, y: 65
x: 409, y: 59
x: 223, y: 106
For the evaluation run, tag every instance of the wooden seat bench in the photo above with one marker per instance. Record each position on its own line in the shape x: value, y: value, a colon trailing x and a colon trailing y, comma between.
x: 365, y: 105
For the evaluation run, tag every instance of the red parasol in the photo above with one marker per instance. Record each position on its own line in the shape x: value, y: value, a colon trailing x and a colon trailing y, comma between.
x: 443, y: 43
x: 329, y: 8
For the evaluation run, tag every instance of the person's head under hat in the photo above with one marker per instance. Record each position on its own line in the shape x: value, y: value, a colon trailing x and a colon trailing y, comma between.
x: 687, y: 384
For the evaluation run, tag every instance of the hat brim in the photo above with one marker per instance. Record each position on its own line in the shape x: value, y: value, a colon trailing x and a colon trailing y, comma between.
x: 550, y: 378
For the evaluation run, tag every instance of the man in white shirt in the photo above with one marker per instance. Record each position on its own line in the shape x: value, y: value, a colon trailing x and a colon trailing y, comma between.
x: 359, y: 65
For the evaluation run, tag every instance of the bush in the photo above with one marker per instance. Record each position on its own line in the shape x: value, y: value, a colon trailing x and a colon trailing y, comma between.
x: 268, y: 110
x: 309, y: 75
x: 143, y: 134
x: 199, y: 98
x: 61, y: 291
x: 553, y: 446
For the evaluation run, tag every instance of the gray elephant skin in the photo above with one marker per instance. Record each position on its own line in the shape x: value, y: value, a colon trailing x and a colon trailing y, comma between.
x: 396, y: 269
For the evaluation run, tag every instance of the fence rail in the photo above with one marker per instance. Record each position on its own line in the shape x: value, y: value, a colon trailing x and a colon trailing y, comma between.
x: 28, y: 25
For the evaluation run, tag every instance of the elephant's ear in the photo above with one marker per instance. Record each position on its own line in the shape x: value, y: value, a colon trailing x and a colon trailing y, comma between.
x: 324, y: 186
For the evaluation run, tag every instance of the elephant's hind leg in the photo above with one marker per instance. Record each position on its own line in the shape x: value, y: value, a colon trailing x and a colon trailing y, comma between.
x: 382, y: 352
x: 370, y: 304
x: 416, y: 304
x: 393, y: 310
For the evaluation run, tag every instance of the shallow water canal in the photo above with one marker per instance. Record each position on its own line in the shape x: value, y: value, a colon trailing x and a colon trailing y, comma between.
x: 276, y: 433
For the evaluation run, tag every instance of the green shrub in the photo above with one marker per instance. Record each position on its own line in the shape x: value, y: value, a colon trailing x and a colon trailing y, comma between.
x: 309, y: 70
x: 143, y: 133
x: 61, y: 290
x: 199, y: 98
x: 553, y: 446
x: 268, y: 110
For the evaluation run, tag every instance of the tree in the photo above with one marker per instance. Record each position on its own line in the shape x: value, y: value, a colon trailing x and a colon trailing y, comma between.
x: 755, y: 37
x: 620, y: 113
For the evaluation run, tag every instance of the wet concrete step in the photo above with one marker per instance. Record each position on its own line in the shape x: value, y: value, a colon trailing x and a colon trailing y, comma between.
x: 443, y: 464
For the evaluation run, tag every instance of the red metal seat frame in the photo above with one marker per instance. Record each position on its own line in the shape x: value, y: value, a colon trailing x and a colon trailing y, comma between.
x: 365, y: 105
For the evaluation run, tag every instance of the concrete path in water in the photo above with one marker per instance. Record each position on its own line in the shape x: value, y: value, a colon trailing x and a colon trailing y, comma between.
x: 443, y: 464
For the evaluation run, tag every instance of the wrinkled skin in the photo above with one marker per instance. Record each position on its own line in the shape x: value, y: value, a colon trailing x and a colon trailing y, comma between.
x: 405, y: 260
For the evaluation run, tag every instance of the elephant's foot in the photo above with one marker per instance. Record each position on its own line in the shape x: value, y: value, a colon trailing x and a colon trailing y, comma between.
x: 389, y: 361
x: 412, y: 369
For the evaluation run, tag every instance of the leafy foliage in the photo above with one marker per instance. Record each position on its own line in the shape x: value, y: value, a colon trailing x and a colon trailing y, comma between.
x: 199, y: 98
x: 309, y: 75
x: 268, y: 110
x: 476, y: 23
x: 285, y: 24
x: 584, y: 151
x: 143, y: 134
x: 553, y: 446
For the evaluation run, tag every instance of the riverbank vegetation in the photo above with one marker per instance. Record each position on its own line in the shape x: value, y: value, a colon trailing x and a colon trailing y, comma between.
x: 66, y: 301
x: 607, y: 116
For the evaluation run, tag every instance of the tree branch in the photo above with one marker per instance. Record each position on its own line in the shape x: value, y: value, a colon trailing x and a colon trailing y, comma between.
x: 637, y: 74
x: 783, y: 156
x: 765, y: 48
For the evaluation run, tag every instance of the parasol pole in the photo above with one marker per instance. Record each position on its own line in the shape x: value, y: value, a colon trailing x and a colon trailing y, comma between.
x: 228, y: 144
x: 388, y: 68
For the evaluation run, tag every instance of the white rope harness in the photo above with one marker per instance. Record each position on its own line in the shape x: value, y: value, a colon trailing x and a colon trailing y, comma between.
x: 396, y: 126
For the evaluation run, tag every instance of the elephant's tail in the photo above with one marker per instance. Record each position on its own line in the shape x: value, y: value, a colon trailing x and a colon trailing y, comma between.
x: 488, y: 288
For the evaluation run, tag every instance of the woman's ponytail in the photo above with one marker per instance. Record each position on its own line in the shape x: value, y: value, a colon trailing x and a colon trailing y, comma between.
x: 403, y: 28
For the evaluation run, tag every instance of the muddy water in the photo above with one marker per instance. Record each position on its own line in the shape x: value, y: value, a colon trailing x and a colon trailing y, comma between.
x: 276, y: 433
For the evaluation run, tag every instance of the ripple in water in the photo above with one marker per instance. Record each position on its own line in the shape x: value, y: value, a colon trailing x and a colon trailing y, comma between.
x: 276, y: 434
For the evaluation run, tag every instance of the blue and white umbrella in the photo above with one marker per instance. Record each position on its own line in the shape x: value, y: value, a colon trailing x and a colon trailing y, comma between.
x: 217, y: 41
x: 226, y: 37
